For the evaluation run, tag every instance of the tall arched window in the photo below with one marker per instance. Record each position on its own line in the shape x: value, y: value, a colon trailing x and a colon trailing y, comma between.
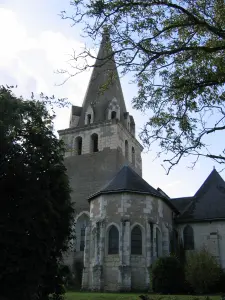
x: 82, y: 237
x: 113, y: 246
x: 94, y: 142
x: 136, y: 240
x: 158, y: 243
x: 81, y: 224
x: 126, y: 149
x: 188, y: 236
x: 113, y: 115
x: 133, y: 155
x: 78, y: 145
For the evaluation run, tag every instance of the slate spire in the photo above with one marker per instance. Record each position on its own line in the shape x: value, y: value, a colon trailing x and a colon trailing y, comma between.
x: 104, y: 84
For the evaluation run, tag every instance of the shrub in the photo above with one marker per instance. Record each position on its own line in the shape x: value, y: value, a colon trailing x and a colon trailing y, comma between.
x: 202, y: 271
x: 167, y: 275
x: 219, y: 286
x: 67, y: 276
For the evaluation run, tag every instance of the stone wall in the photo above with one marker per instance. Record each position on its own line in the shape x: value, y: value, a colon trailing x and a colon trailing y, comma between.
x: 210, y: 235
x: 124, y: 272
x: 111, y: 135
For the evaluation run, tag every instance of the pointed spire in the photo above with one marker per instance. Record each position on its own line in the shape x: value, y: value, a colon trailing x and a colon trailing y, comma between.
x: 104, y: 84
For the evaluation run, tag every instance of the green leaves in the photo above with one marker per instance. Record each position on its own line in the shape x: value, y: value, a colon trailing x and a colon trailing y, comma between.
x: 202, y: 271
x: 36, y: 213
x: 175, y: 51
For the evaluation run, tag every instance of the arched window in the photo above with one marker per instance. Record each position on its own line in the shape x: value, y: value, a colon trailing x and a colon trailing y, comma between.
x: 136, y: 240
x: 78, y: 145
x: 133, y: 155
x: 126, y: 149
x: 113, y: 240
x: 81, y: 225
x: 94, y: 142
x: 158, y: 243
x: 89, y: 115
x: 88, y: 119
x: 113, y: 115
x: 188, y: 236
x: 82, y: 237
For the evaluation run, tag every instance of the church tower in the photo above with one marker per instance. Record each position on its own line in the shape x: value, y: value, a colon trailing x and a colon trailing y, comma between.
x: 101, y: 134
x: 100, y: 138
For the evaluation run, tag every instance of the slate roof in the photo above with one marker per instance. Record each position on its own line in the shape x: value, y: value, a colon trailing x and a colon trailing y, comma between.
x: 208, y: 203
x: 181, y: 203
x: 105, y: 68
x: 127, y: 180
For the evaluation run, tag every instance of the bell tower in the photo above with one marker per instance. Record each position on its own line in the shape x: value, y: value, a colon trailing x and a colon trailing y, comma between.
x: 101, y: 134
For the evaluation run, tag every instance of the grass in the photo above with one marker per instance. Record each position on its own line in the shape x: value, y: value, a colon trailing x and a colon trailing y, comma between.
x: 125, y: 296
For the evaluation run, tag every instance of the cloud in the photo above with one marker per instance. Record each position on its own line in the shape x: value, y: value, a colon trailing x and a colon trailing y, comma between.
x: 29, y: 61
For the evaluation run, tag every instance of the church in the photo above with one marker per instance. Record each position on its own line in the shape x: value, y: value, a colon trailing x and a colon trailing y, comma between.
x: 123, y: 224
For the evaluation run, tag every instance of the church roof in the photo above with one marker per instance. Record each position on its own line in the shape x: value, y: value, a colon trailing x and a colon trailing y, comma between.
x: 127, y: 180
x: 104, y: 71
x: 208, y: 203
x: 181, y: 203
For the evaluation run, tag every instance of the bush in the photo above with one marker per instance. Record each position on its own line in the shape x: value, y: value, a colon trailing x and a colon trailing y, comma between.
x: 67, y: 276
x: 219, y: 286
x: 202, y: 271
x: 167, y: 275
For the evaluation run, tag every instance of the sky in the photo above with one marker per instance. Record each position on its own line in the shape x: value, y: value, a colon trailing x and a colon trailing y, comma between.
x: 36, y: 42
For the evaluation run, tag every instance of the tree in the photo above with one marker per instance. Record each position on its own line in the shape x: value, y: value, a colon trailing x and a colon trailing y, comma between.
x: 176, y: 53
x: 202, y: 271
x: 36, y: 213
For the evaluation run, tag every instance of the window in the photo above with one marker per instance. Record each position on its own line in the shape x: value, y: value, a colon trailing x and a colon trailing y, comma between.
x: 136, y: 240
x: 82, y: 238
x: 113, y: 240
x: 94, y: 142
x: 158, y: 242
x: 89, y: 119
x: 81, y: 224
x: 113, y: 115
x: 89, y: 115
x: 188, y: 236
x: 78, y: 145
x: 133, y: 155
x: 126, y: 149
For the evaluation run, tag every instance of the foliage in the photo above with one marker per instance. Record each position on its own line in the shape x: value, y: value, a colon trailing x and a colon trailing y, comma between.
x: 202, y: 271
x: 219, y: 286
x: 176, y: 53
x: 36, y: 213
x: 167, y: 275
x: 67, y: 276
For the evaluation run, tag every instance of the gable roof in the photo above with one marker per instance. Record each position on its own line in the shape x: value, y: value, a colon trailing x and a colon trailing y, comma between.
x: 104, y: 71
x: 127, y: 180
x: 208, y: 202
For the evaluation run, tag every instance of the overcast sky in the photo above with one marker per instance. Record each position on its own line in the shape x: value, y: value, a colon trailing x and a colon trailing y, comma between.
x: 35, y: 42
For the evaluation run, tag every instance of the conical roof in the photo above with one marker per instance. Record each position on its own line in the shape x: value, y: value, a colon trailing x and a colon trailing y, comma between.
x: 104, y: 74
x: 127, y: 180
x: 208, y: 202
